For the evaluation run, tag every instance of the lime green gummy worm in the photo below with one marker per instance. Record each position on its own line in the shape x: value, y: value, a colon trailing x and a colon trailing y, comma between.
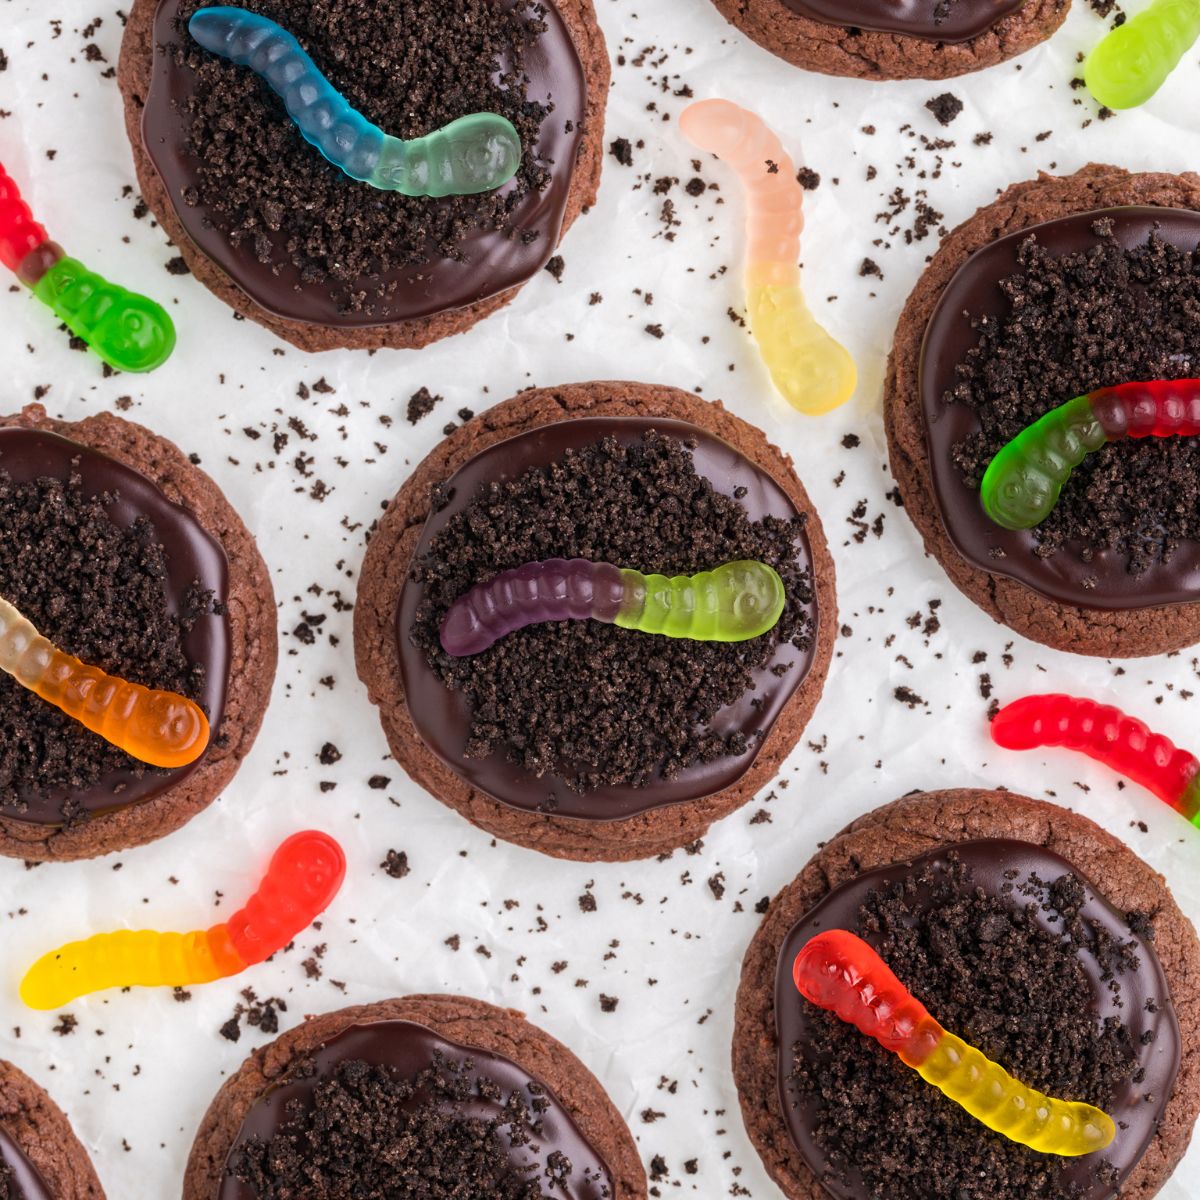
x: 734, y: 603
x: 1133, y: 61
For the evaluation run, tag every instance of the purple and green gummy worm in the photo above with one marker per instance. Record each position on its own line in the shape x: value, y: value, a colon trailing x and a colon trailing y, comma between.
x: 734, y: 603
x: 1023, y: 482
x: 476, y: 153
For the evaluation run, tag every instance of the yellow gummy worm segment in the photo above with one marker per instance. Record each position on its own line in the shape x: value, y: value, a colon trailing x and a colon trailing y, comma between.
x: 812, y: 371
x: 129, y: 958
x: 1007, y: 1106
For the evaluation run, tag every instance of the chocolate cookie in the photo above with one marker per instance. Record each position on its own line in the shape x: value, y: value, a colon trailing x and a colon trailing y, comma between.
x: 1036, y: 883
x: 882, y: 39
x: 40, y: 1156
x: 583, y: 740
x: 284, y: 238
x: 355, y: 1071
x: 1116, y: 569
x: 145, y: 569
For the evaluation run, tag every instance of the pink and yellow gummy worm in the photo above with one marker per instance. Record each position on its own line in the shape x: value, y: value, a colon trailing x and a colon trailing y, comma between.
x: 813, y: 372
x: 304, y: 876
x: 163, y: 729
x: 839, y: 972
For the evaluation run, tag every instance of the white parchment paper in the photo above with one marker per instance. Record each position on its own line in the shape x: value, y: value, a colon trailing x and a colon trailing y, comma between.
x: 138, y: 1070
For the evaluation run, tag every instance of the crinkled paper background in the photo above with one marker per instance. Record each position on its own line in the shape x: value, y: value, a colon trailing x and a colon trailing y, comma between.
x: 278, y: 429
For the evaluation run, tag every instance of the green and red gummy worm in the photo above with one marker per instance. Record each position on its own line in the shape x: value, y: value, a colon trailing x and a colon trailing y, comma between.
x: 1023, y: 482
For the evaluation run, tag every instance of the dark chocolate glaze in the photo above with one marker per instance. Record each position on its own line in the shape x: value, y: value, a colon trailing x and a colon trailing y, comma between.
x: 929, y: 20
x: 442, y: 717
x: 974, y: 292
x: 1136, y: 1116
x: 409, y: 1048
x: 25, y: 1181
x: 492, y: 262
x: 30, y: 454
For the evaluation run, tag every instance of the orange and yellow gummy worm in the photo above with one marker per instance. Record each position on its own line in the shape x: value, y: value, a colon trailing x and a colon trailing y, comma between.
x: 839, y: 972
x: 304, y: 876
x: 160, y: 728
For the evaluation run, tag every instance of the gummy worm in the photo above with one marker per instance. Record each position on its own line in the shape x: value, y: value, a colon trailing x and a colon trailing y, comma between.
x: 839, y: 972
x: 1134, y: 60
x: 1108, y: 735
x: 812, y: 371
x: 734, y: 603
x: 476, y: 153
x: 1023, y: 482
x: 127, y: 330
x: 304, y: 876
x: 161, y: 728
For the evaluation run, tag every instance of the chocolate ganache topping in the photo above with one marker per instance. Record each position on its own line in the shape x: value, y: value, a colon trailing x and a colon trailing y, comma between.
x: 19, y: 1178
x: 393, y: 1100
x: 87, y: 529
x: 603, y: 489
x: 1027, y: 323
x: 929, y: 20
x: 306, y: 243
x: 1009, y: 947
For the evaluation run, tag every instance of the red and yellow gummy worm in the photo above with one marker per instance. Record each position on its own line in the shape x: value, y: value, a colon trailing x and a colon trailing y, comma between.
x: 839, y: 972
x: 304, y: 876
x: 160, y: 728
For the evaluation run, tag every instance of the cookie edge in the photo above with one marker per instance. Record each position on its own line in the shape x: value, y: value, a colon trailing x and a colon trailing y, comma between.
x: 917, y: 824
x: 32, y: 1119
x: 1103, y: 633
x: 459, y: 1019
x: 134, y: 70
x: 816, y: 46
x: 385, y: 569
x: 253, y: 642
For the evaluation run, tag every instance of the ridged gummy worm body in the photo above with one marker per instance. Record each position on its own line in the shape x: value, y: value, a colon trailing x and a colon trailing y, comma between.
x: 476, y: 153
x: 813, y: 372
x: 1024, y: 481
x: 1108, y: 735
x: 128, y: 331
x: 1135, y: 59
x: 156, y: 727
x: 736, y: 602
x: 305, y: 874
x: 839, y: 972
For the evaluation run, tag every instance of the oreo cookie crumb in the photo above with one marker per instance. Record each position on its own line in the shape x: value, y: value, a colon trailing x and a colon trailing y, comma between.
x: 407, y: 1139
x: 945, y: 107
x: 420, y: 404
x: 989, y: 969
x: 425, y: 66
x: 592, y: 703
x: 100, y: 593
x: 1076, y: 323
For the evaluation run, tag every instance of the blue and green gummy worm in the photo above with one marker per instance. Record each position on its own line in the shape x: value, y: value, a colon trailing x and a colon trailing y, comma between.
x: 476, y: 153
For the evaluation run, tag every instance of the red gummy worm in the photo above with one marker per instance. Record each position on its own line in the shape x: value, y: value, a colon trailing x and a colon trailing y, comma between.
x: 20, y: 234
x: 839, y: 972
x: 304, y: 876
x: 1108, y: 735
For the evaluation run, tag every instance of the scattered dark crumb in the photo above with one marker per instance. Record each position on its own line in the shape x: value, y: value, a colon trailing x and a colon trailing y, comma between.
x: 420, y: 404
x: 396, y: 864
x: 945, y: 107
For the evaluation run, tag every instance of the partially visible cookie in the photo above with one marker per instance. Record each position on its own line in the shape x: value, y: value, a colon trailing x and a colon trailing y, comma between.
x: 492, y: 1061
x: 882, y: 39
x: 628, y: 465
x: 40, y: 1156
x: 1134, y: 897
x: 83, y: 798
x: 1045, y: 583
